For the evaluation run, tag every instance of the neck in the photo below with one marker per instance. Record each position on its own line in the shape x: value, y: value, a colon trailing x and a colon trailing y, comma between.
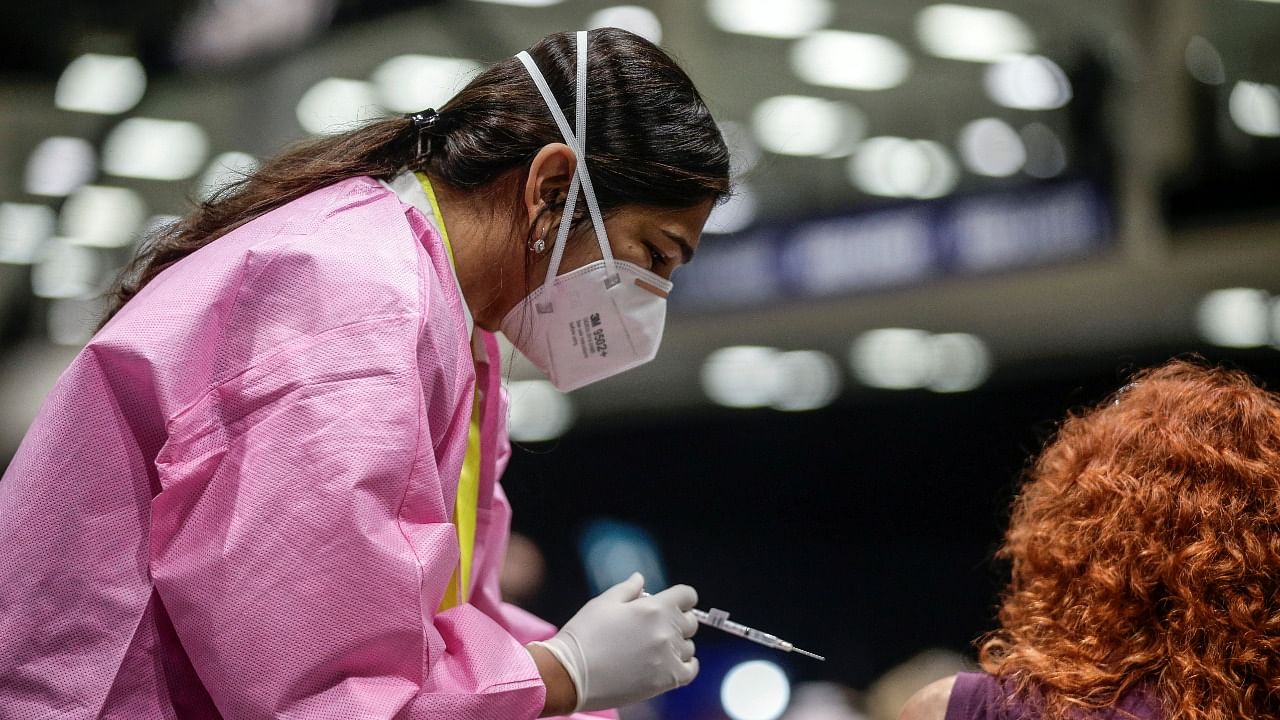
x: 482, y: 253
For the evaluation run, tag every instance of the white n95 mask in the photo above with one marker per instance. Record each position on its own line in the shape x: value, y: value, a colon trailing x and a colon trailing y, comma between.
x: 591, y: 328
x: 603, y: 318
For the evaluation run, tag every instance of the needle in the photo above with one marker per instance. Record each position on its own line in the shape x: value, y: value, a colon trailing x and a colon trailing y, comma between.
x: 807, y: 653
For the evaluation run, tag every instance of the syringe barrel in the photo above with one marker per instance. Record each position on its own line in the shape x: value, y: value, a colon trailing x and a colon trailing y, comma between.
x: 718, y: 618
x: 751, y: 634
x: 763, y: 638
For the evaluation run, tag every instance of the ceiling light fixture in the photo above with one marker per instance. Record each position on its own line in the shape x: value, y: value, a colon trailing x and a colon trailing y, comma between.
x: 336, y: 104
x: 409, y: 83
x: 1027, y: 82
x: 770, y: 18
x: 105, y: 84
x: 962, y: 32
x: 155, y: 149
x: 633, y: 18
x: 900, y: 167
x: 989, y: 146
x: 807, y: 126
x: 850, y: 60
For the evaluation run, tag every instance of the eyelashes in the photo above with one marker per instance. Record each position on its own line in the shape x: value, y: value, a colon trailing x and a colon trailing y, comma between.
x: 656, y: 257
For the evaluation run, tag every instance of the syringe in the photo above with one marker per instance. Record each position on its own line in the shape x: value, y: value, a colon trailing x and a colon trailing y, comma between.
x: 719, y: 619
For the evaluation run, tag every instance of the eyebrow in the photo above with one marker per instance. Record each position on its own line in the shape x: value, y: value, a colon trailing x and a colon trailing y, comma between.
x: 686, y: 250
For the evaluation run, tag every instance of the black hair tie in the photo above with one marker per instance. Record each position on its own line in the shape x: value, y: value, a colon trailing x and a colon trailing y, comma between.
x: 425, y: 122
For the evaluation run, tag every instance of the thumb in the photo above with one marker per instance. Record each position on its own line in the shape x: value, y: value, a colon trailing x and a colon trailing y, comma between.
x: 626, y: 590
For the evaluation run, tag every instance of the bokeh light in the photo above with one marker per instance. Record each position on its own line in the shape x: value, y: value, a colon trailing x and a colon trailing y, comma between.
x: 1255, y: 108
x: 633, y: 18
x: 102, y: 216
x: 805, y: 125
x: 225, y: 169
x: 24, y: 227
x: 962, y: 32
x: 856, y: 61
x: 153, y: 149
x: 407, y: 83
x: 908, y: 359
x: 60, y: 165
x: 539, y: 412
x: 990, y: 146
x: 900, y: 167
x: 1027, y: 82
x: 337, y: 104
x: 1235, y: 317
x: 755, y: 690
x: 105, y: 84
x: 769, y: 18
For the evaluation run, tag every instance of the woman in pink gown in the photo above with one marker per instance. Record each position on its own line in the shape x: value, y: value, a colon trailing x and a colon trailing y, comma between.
x: 268, y: 487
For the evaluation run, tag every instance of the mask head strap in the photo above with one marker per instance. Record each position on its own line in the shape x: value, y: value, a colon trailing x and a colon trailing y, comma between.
x: 575, y: 138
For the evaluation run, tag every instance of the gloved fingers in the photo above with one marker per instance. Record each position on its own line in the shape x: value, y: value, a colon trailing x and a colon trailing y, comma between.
x: 687, y: 671
x: 685, y: 650
x: 682, y: 597
x: 627, y: 590
x: 687, y: 622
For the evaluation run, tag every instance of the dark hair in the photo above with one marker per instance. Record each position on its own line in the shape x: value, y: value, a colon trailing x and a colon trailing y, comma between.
x: 650, y: 141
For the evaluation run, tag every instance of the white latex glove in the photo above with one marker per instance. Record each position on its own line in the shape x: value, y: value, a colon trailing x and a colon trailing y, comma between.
x: 622, y: 648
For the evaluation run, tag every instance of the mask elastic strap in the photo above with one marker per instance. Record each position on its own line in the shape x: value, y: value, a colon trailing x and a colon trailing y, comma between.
x: 589, y: 191
x: 581, y: 176
x: 562, y: 238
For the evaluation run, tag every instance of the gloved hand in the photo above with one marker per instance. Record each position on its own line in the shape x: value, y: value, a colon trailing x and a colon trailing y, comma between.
x: 622, y: 648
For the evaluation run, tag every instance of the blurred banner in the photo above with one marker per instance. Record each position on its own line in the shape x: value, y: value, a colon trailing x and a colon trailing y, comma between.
x: 899, y: 246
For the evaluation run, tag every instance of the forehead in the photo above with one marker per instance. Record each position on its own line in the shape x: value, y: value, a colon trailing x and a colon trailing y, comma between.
x: 686, y: 222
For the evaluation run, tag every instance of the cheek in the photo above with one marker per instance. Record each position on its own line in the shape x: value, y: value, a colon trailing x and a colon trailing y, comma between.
x: 623, y: 240
x: 581, y: 250
x: 623, y: 244
x: 584, y: 248
x: 635, y: 254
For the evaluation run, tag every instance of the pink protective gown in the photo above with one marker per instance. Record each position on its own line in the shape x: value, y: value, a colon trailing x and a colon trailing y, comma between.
x: 237, y: 500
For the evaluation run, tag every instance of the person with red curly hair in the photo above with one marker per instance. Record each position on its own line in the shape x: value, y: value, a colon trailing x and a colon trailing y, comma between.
x: 1145, y: 554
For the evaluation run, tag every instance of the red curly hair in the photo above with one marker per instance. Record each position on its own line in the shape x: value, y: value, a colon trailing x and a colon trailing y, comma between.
x: 1145, y: 552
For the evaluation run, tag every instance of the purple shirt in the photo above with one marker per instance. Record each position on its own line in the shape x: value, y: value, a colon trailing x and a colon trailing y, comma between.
x: 979, y: 696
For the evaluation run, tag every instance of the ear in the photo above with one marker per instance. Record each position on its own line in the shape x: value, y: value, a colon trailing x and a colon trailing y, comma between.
x: 550, y: 173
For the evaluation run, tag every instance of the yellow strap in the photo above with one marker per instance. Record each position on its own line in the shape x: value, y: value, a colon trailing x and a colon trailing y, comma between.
x: 425, y: 182
x: 464, y: 515
x: 464, y: 509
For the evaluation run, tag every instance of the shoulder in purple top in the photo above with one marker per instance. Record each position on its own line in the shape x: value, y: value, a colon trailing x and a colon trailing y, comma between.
x: 979, y: 696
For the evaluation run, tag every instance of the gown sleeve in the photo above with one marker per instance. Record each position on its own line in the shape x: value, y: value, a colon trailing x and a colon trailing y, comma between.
x: 301, y: 544
x: 486, y: 595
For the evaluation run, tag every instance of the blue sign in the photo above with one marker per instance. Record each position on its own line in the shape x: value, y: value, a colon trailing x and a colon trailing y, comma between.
x: 897, y: 246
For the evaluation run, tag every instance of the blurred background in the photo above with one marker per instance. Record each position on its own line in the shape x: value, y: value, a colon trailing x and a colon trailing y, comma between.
x: 951, y: 225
